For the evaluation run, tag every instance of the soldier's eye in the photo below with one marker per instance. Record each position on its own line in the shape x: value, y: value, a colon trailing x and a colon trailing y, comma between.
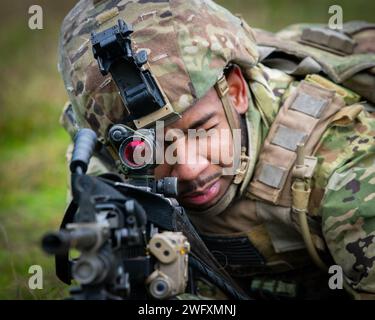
x: 213, y: 126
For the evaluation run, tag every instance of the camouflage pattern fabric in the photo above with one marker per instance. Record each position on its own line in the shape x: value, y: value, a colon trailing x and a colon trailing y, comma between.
x: 347, y: 170
x: 343, y: 190
x: 354, y: 71
x: 189, y: 44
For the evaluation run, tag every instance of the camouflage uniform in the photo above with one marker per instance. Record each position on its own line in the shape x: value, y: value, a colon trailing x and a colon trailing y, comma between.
x: 189, y: 44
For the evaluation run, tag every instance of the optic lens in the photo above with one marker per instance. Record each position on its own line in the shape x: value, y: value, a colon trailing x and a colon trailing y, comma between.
x: 137, y: 153
x: 134, y: 153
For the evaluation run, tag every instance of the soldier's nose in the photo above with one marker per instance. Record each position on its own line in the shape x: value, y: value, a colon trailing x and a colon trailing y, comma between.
x: 190, y: 171
x: 190, y: 163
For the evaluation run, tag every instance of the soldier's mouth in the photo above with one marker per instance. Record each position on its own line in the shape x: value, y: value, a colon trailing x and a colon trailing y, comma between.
x: 202, y: 197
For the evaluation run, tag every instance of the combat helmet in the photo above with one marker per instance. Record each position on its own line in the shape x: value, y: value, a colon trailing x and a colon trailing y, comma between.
x: 189, y: 44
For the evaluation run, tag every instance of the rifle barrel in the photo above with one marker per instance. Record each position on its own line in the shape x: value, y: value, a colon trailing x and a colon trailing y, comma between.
x: 60, y: 242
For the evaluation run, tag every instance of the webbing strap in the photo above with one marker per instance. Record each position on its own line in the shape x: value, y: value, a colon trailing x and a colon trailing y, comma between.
x: 222, y: 90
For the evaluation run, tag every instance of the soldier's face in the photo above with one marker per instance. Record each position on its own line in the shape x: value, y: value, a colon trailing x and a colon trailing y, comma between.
x: 201, y: 162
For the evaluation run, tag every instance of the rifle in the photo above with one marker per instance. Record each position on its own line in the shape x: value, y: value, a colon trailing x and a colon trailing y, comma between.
x: 134, y: 241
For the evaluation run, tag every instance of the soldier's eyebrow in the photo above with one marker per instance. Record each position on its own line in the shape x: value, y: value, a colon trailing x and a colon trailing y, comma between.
x: 198, y: 123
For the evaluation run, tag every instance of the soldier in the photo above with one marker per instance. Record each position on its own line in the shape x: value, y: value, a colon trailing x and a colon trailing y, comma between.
x: 302, y: 195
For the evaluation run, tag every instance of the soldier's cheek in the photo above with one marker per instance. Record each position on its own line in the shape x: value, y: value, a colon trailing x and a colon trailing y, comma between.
x: 220, y: 149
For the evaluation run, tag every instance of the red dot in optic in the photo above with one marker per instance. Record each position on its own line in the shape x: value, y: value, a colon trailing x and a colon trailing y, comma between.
x: 130, y: 150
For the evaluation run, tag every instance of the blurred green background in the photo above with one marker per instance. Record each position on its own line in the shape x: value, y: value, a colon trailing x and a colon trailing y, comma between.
x: 32, y: 144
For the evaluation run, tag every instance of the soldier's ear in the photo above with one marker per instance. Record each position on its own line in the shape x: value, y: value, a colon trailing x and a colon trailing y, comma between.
x: 238, y: 90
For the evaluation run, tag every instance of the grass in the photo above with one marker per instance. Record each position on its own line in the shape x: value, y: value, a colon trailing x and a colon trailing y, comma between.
x: 32, y: 144
x: 32, y: 157
x: 33, y: 188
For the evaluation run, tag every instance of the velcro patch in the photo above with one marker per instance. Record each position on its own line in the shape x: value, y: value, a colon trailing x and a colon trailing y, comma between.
x: 309, y: 105
x: 288, y: 138
x: 272, y: 176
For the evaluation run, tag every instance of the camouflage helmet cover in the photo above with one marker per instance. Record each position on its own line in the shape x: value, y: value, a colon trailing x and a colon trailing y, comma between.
x: 189, y: 44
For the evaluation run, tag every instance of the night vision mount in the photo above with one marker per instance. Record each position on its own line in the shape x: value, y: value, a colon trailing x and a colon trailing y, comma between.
x: 143, y: 99
x: 139, y: 90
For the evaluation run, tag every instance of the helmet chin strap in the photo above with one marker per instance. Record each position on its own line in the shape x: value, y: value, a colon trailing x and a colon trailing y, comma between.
x: 241, y: 164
